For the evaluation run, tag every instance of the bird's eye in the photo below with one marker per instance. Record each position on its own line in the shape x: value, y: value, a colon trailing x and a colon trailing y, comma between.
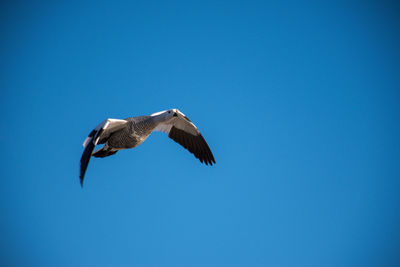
x: 169, y: 111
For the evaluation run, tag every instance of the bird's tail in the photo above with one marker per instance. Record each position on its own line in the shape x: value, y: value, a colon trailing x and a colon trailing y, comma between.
x: 102, y: 152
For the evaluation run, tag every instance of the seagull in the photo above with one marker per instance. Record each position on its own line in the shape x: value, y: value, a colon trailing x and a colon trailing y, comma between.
x: 118, y: 134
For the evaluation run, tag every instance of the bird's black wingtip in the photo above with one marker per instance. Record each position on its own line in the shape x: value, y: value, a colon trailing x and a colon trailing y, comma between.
x: 81, y: 181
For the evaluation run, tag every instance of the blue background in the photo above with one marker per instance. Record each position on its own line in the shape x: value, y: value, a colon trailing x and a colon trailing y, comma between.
x: 299, y: 102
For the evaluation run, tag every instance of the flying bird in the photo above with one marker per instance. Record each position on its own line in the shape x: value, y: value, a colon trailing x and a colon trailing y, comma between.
x: 129, y: 133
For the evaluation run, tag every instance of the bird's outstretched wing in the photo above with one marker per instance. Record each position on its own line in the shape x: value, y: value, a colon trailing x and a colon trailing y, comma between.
x: 184, y: 132
x: 98, y: 136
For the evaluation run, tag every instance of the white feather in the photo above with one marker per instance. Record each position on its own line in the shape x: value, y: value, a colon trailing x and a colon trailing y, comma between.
x: 157, y: 113
x: 165, y: 128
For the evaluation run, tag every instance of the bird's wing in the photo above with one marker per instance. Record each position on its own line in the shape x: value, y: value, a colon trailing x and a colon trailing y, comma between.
x: 101, y: 133
x: 183, y: 131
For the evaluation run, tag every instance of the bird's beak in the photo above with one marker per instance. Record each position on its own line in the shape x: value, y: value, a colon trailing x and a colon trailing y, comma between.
x: 175, y: 115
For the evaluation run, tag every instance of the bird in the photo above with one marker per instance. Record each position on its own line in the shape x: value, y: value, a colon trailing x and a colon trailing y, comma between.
x: 118, y: 134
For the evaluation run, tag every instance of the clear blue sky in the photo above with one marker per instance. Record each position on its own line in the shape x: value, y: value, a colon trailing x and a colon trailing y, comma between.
x: 299, y: 101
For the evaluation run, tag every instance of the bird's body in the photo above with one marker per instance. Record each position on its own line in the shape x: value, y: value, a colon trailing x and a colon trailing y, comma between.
x: 136, y: 132
x: 131, y: 132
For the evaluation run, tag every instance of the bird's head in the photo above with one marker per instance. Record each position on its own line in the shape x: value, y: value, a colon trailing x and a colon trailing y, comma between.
x: 166, y: 115
x: 172, y: 113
